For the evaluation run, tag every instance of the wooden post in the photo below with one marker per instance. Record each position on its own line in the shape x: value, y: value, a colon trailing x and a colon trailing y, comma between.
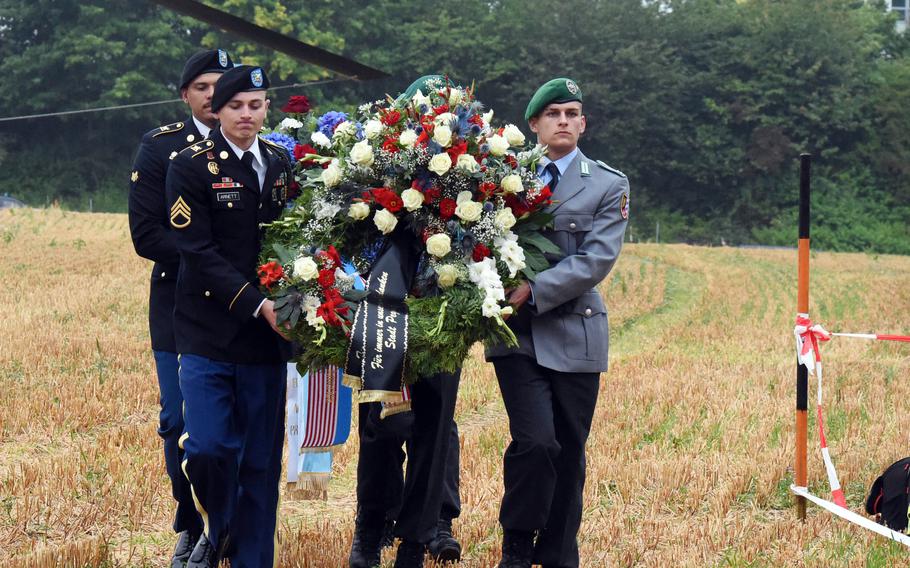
x: 802, y: 307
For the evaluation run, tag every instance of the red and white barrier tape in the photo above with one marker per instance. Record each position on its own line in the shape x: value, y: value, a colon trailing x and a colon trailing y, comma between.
x: 852, y: 517
x: 808, y: 337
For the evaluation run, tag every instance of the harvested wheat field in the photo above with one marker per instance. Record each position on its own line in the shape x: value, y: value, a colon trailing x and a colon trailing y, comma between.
x: 689, y: 460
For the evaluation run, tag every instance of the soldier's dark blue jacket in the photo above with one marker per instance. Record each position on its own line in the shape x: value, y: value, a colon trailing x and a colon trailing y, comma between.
x: 216, y: 210
x: 149, y: 222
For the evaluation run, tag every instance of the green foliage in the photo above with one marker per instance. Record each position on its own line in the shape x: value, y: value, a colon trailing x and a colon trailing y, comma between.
x: 704, y: 104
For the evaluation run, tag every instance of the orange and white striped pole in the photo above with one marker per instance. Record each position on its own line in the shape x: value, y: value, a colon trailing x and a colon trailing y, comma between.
x: 802, y: 308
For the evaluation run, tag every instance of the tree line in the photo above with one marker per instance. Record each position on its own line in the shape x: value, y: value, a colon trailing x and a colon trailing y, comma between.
x: 704, y: 104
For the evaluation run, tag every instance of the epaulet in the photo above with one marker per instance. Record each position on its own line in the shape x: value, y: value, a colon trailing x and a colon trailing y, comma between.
x: 169, y: 128
x: 609, y: 169
x: 200, y: 147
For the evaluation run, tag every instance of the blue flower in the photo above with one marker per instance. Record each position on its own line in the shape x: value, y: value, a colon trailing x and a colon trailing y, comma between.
x: 283, y: 140
x: 327, y: 122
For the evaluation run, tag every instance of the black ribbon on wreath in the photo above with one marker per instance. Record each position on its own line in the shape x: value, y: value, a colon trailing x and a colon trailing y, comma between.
x: 379, y: 336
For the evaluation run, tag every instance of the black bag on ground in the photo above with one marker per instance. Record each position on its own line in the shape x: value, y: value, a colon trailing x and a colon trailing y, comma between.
x: 888, y: 497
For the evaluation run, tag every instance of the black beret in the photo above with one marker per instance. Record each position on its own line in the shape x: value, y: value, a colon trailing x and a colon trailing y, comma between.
x: 560, y: 90
x: 240, y: 79
x: 208, y: 61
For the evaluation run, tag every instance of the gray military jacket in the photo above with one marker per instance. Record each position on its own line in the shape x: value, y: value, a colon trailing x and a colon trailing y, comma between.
x: 569, y: 330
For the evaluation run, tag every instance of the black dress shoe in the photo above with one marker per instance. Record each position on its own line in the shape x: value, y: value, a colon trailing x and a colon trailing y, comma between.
x: 185, y: 543
x: 517, y: 549
x: 366, y: 548
x: 206, y: 554
x: 444, y: 547
x: 410, y: 554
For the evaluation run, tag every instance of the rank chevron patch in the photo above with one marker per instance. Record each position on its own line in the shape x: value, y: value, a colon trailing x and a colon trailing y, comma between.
x: 180, y: 209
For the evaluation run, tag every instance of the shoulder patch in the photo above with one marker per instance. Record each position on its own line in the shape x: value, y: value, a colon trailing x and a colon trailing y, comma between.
x: 168, y: 129
x: 200, y: 147
x: 610, y: 169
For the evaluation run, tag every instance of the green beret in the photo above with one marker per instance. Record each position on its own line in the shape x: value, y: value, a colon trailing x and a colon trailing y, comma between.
x: 421, y: 85
x: 560, y: 90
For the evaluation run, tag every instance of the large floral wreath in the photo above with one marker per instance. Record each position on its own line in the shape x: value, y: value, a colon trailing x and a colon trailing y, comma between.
x: 430, y: 175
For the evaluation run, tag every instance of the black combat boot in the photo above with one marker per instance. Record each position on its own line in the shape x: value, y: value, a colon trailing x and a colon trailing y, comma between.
x: 206, y: 554
x: 517, y: 549
x: 185, y: 543
x: 444, y: 547
x: 366, y: 549
x: 410, y: 554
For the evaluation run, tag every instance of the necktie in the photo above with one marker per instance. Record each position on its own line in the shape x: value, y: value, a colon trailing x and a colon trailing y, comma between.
x: 554, y: 175
x: 247, y: 160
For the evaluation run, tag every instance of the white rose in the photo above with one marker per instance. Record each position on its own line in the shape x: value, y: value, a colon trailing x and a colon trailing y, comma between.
x: 469, y: 210
x: 289, y: 124
x: 346, y: 128
x: 362, y: 154
x: 305, y: 268
x: 320, y: 139
x: 513, y: 135
x: 466, y: 162
x: 498, y: 145
x: 512, y: 184
x: 372, y: 129
x: 446, y: 275
x: 455, y: 97
x: 488, y: 116
x: 463, y: 196
x: 412, y: 199
x: 504, y: 219
x: 385, y: 221
x: 408, y: 138
x: 444, y: 119
x: 331, y: 176
x: 359, y: 211
x: 442, y: 135
x: 440, y: 163
x: 439, y: 245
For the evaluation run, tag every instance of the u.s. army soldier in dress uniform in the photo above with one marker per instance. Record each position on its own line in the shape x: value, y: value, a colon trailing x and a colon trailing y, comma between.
x: 550, y: 382
x: 153, y: 239
x: 232, y: 358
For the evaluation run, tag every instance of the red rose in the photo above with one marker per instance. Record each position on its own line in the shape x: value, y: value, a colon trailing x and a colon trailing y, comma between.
x: 270, y: 273
x: 518, y: 205
x: 487, y: 188
x: 457, y: 150
x: 301, y: 150
x: 447, y: 208
x: 480, y: 252
x: 388, y: 199
x: 297, y: 103
x: 441, y: 109
x: 430, y: 194
x: 391, y: 146
x: 326, y: 277
x: 390, y: 117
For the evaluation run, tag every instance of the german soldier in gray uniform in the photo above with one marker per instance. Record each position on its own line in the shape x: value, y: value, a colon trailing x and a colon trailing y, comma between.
x: 153, y: 239
x: 550, y: 382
